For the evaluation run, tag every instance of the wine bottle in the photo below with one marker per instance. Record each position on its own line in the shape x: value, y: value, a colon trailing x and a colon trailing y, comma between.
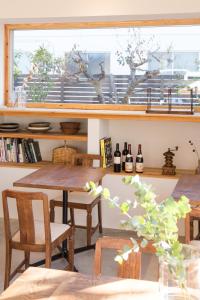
x: 124, y: 153
x: 129, y: 161
x: 117, y: 159
x: 139, y: 161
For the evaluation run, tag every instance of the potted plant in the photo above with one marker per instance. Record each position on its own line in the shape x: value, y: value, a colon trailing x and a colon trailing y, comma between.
x: 158, y: 224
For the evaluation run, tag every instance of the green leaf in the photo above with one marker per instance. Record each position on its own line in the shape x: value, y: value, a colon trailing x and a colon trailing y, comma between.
x: 124, y: 207
x: 106, y: 193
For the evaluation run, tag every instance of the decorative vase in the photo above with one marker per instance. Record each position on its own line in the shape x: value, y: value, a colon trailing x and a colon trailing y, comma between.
x: 197, y: 170
x: 188, y: 288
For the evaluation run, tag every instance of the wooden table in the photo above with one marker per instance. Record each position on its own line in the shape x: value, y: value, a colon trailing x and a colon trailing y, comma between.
x: 60, y: 177
x: 189, y: 186
x: 41, y: 283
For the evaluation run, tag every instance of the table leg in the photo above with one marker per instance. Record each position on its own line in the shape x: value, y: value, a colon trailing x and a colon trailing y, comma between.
x: 65, y: 218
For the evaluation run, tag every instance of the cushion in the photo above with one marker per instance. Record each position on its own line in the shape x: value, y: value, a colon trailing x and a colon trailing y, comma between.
x: 79, y: 197
x: 56, y: 230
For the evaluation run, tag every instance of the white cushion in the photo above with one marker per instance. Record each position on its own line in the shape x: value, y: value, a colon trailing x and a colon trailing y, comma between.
x: 56, y: 231
x: 79, y: 197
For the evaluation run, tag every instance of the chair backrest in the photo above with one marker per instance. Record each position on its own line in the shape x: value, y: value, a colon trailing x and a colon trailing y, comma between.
x: 193, y: 215
x: 130, y: 268
x: 85, y: 160
x: 25, y: 215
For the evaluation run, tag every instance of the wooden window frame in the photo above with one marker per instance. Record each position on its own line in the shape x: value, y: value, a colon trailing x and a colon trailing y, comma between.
x: 8, y: 28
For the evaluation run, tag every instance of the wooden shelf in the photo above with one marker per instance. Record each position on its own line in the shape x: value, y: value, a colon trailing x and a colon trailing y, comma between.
x: 98, y: 114
x: 152, y: 172
x: 148, y: 172
x: 49, y: 135
x: 25, y: 165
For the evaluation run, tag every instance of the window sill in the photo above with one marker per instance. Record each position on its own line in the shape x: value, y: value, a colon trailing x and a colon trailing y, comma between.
x: 97, y: 114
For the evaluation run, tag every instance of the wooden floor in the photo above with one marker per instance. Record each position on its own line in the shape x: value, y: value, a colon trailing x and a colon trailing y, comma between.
x: 84, y: 261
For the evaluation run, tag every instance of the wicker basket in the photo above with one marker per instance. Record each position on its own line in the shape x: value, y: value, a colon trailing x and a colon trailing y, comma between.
x: 63, y: 155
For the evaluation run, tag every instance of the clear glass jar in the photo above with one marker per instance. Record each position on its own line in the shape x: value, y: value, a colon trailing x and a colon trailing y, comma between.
x: 20, y: 97
x: 170, y: 288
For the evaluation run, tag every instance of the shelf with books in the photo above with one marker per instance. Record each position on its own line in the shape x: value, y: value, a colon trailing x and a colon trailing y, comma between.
x: 54, y: 135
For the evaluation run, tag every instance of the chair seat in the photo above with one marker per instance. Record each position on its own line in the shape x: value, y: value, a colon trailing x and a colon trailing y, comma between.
x: 56, y: 230
x: 79, y: 197
x: 195, y: 243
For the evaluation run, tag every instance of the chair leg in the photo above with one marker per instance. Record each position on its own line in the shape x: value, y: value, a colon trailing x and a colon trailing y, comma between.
x: 89, y: 227
x: 70, y: 267
x: 7, y: 267
x: 48, y: 257
x: 52, y: 211
x: 72, y: 216
x: 100, y: 217
x: 27, y: 259
x: 191, y: 230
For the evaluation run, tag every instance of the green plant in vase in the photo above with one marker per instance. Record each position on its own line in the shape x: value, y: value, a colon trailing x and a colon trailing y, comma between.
x: 157, y: 224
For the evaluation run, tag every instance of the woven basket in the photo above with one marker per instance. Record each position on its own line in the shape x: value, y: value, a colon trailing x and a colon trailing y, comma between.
x: 63, y: 155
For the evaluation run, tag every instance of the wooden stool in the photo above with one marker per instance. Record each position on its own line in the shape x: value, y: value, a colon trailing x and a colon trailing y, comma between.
x: 33, y: 236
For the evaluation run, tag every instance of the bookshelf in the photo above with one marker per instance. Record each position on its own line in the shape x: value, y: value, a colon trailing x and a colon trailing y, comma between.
x: 53, y: 135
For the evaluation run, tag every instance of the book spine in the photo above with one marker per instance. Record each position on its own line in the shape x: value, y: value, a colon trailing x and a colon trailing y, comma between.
x: 33, y: 151
x: 102, y: 151
x: 25, y: 156
x: 27, y: 151
x: 20, y: 152
x: 37, y: 150
x: 8, y: 149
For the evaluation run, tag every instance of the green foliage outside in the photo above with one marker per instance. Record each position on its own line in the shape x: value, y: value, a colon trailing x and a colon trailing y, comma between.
x: 42, y: 61
x: 158, y: 223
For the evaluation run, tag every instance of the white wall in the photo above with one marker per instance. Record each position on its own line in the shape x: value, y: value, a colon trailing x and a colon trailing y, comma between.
x: 156, y: 137
x: 79, y: 8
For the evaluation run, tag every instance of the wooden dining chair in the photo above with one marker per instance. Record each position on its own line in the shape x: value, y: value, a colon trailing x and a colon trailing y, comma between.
x: 32, y: 235
x: 131, y: 268
x: 192, y: 217
x: 82, y: 200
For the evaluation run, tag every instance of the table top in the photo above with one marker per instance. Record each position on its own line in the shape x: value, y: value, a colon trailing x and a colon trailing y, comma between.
x: 41, y: 283
x: 60, y: 177
x: 189, y: 186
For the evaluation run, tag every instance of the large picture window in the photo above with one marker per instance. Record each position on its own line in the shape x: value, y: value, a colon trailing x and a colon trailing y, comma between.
x: 102, y: 66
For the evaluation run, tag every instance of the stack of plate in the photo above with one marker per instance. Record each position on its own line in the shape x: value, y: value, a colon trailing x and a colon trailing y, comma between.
x: 39, y: 127
x: 9, y: 127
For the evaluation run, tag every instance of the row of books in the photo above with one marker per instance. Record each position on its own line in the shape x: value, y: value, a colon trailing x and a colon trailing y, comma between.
x: 106, y: 151
x: 19, y: 150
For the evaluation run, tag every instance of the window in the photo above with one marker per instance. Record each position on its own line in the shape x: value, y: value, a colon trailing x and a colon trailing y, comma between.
x: 65, y: 65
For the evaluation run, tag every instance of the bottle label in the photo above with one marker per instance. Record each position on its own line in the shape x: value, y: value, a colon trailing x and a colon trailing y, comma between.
x: 117, y: 160
x: 128, y: 166
x: 123, y: 158
x: 139, y: 167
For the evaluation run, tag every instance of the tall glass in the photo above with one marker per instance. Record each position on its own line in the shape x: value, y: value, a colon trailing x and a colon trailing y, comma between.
x: 171, y: 288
